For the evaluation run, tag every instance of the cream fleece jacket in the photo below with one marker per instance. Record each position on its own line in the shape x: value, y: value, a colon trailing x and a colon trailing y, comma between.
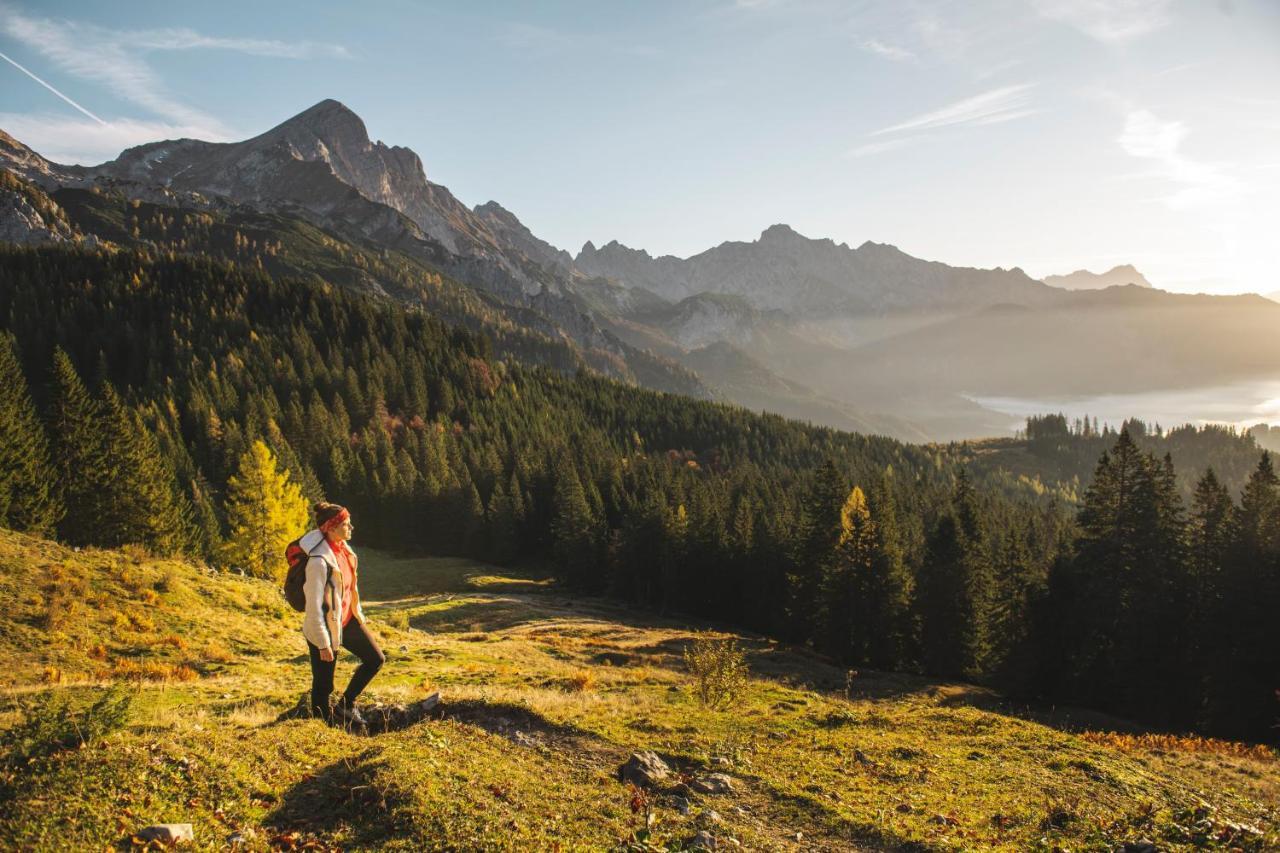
x: 321, y: 623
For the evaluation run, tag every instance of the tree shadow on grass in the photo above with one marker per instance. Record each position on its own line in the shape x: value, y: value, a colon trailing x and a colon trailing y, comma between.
x: 351, y: 798
x: 472, y: 615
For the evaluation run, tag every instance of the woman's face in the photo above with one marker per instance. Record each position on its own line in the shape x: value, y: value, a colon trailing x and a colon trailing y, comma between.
x: 344, y: 531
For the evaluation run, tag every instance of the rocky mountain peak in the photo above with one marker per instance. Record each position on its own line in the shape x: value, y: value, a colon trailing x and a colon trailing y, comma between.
x: 330, y: 121
x: 1117, y: 276
x: 779, y: 233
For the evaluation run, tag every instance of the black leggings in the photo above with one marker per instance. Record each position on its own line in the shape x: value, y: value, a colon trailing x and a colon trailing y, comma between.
x: 360, y: 643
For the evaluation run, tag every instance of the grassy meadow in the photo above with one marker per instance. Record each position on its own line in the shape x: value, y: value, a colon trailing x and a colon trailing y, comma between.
x: 544, y: 696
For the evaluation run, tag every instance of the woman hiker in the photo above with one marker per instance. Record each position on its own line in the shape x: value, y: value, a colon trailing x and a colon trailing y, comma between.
x: 333, y: 615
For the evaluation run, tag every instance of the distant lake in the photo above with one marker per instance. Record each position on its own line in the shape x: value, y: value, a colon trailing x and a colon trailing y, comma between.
x: 1242, y: 404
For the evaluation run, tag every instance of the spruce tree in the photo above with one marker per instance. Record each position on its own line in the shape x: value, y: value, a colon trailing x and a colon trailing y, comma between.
x: 79, y: 453
x: 502, y: 540
x: 1250, y: 650
x: 955, y: 590
x: 817, y: 543
x: 939, y: 601
x: 887, y: 617
x: 264, y: 510
x: 849, y: 583
x: 29, y: 499
x: 572, y: 527
x: 142, y: 504
x: 1211, y: 538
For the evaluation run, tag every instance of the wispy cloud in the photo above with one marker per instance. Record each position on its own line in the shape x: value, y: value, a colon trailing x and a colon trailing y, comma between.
x: 117, y: 59
x: 534, y: 38
x: 186, y: 39
x: 888, y: 51
x: 871, y: 148
x: 1147, y: 137
x: 1110, y: 21
x: 998, y: 105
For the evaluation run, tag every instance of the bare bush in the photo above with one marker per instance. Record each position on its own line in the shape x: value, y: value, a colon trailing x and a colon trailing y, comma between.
x: 719, y: 669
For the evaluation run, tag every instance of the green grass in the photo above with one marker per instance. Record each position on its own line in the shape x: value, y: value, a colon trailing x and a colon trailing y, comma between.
x: 544, y: 696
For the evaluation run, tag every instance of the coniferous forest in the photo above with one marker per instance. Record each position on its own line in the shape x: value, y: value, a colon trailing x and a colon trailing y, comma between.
x: 139, y: 383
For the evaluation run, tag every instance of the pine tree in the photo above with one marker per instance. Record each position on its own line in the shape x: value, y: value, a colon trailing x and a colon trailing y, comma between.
x: 817, y: 543
x: 1249, y: 656
x: 939, y: 601
x: 264, y: 510
x: 848, y: 592
x: 1130, y: 589
x: 1212, y: 535
x: 955, y: 590
x: 142, y: 506
x: 887, y: 628
x: 573, y: 528
x: 29, y: 500
x: 79, y: 453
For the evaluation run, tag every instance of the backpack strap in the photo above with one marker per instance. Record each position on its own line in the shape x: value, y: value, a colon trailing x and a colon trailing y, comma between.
x: 328, y: 580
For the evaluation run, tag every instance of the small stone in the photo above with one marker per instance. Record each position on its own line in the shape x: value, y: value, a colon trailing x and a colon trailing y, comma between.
x: 714, y: 783
x: 703, y: 841
x: 721, y: 762
x: 645, y: 769
x: 710, y: 818
x: 739, y: 811
x: 168, y: 833
x: 404, y: 648
x: 682, y: 805
x: 1142, y: 845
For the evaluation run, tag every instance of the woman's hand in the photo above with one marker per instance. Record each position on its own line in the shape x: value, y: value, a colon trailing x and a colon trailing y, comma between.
x: 326, y: 655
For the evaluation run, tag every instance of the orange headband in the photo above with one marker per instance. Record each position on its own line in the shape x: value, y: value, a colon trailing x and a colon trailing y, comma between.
x: 335, y: 521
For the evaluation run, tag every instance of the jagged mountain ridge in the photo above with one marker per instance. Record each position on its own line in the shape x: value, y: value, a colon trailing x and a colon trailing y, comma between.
x: 1117, y: 276
x: 322, y: 167
x: 806, y: 278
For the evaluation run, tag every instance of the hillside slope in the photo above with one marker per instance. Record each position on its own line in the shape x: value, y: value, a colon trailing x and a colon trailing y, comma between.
x: 544, y: 697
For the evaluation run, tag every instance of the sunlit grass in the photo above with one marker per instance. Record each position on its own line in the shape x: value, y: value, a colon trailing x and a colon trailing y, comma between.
x: 544, y: 697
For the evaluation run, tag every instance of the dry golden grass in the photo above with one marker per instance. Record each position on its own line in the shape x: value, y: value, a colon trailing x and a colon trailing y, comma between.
x: 172, y: 640
x: 1182, y: 743
x: 148, y: 670
x: 580, y: 681
x: 213, y: 652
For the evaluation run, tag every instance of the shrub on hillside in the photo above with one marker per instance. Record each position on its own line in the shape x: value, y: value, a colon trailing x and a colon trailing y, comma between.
x: 61, y: 591
x: 50, y: 723
x: 718, y: 667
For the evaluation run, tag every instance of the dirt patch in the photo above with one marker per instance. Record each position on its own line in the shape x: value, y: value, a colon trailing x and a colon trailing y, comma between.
x: 524, y: 726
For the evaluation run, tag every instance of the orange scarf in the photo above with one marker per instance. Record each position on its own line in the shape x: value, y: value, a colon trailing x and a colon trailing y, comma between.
x: 347, y: 565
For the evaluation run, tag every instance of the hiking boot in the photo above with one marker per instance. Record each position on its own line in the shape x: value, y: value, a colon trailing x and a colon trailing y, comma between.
x: 349, y: 717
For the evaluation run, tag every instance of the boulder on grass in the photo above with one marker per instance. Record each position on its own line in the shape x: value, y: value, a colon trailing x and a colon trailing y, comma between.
x: 644, y: 769
x: 168, y: 833
x: 713, y: 783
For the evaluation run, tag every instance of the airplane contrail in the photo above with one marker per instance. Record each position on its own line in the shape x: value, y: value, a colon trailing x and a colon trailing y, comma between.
x: 51, y: 89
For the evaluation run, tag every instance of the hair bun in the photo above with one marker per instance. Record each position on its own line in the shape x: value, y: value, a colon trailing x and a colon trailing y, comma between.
x: 324, y: 511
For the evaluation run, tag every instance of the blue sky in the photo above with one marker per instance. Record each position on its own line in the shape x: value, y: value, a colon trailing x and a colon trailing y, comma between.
x: 1046, y: 134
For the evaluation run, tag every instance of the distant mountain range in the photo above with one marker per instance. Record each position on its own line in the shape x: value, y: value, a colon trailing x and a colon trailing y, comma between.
x: 867, y: 338
x: 1085, y: 280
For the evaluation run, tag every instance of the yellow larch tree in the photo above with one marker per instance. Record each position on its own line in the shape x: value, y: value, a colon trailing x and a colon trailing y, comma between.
x: 265, y: 510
